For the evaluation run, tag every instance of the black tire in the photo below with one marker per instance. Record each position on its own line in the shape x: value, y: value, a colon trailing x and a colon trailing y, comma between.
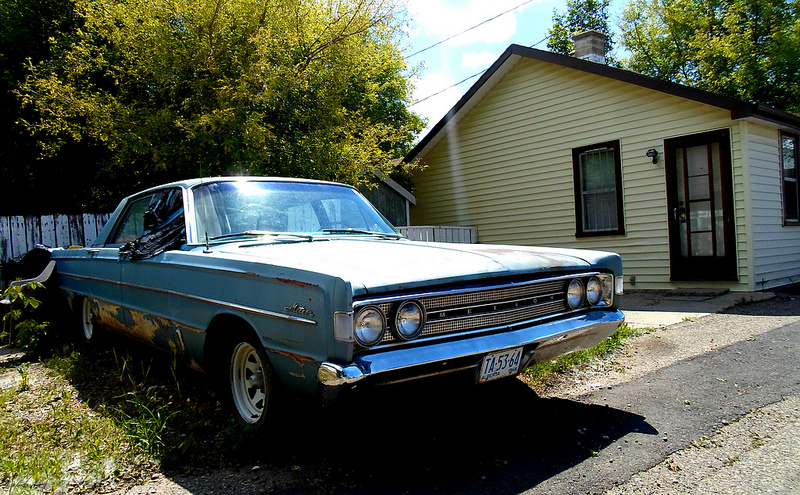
x: 250, y: 382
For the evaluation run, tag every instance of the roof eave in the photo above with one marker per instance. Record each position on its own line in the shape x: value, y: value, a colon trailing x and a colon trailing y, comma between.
x: 738, y: 108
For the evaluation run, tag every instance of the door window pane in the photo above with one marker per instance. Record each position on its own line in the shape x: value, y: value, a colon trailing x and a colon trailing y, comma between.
x: 700, y: 216
x: 702, y: 244
x: 132, y: 225
x: 719, y: 215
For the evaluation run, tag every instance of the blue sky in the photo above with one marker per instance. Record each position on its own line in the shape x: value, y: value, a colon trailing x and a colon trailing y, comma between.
x: 432, y: 21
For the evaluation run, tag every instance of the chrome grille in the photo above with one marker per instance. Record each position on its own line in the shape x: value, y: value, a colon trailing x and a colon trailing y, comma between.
x: 475, y: 309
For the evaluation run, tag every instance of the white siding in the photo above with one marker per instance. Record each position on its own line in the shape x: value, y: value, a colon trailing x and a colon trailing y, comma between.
x: 506, y: 168
x: 776, y: 248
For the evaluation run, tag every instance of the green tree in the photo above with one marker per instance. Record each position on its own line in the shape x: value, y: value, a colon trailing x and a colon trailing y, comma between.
x: 581, y: 15
x: 189, y: 88
x: 749, y: 49
x: 30, y: 183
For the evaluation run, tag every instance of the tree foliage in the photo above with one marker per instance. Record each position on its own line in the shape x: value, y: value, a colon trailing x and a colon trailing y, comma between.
x: 748, y: 49
x: 28, y: 29
x: 170, y: 89
x: 581, y: 15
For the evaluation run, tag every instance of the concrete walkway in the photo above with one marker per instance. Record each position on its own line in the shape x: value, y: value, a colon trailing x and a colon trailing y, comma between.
x: 663, y: 308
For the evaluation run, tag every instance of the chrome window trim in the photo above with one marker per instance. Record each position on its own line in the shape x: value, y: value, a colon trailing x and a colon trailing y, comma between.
x: 215, y: 302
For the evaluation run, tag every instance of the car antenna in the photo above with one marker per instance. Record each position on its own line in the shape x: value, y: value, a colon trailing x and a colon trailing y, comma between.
x: 207, y: 249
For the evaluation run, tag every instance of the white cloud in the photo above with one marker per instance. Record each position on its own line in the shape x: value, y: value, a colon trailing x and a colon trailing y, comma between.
x: 473, y: 60
x: 441, y: 20
x: 433, y: 109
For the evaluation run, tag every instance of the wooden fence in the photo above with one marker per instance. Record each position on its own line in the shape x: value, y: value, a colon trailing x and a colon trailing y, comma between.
x: 462, y: 235
x: 19, y: 234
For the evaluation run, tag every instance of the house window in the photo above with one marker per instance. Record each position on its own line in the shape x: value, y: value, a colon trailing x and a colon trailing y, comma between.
x: 789, y: 163
x: 598, y: 190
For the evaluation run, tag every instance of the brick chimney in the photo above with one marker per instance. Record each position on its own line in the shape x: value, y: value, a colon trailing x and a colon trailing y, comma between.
x: 591, y: 46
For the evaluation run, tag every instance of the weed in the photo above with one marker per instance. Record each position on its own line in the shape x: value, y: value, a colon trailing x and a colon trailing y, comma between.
x: 24, y: 383
x: 703, y: 443
x: 730, y: 461
x: 539, y: 372
x: 19, y: 326
x: 758, y: 439
x: 689, y: 318
x: 145, y: 419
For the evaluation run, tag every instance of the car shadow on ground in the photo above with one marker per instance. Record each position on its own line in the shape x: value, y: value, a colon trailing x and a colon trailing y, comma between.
x: 431, y: 436
x: 438, y: 437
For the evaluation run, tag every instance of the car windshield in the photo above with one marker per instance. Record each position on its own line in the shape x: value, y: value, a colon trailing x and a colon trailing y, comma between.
x: 230, y: 208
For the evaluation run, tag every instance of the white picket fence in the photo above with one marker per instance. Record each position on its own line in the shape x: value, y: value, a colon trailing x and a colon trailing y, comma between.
x: 19, y: 234
x: 429, y: 233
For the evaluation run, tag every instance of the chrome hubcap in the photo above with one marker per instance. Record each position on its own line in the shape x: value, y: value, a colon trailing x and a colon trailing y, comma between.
x: 247, y: 383
x: 86, y: 320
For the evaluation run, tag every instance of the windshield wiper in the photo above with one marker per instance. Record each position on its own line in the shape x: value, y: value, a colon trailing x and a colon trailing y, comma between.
x: 259, y: 233
x: 363, y: 232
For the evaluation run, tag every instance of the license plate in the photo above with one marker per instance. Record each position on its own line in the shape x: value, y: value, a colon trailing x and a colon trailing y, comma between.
x: 500, y: 364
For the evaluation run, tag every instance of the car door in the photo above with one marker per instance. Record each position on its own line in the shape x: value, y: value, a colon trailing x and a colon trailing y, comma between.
x: 145, y: 273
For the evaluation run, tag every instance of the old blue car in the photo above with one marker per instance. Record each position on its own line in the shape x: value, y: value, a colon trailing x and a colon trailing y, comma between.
x: 303, y: 285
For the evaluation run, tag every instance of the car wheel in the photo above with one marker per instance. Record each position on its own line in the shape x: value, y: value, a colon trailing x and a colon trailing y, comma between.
x: 87, y: 332
x: 250, y: 381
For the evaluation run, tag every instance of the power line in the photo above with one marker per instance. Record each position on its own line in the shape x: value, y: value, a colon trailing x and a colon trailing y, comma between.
x: 470, y: 29
x: 468, y: 78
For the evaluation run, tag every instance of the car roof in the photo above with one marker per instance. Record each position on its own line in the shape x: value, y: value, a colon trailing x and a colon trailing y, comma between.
x: 189, y: 183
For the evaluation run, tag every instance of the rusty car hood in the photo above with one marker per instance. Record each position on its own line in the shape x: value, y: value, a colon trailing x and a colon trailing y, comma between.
x: 373, y: 265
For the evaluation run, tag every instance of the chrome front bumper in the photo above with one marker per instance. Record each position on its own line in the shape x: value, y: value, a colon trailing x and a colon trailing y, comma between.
x: 542, y: 342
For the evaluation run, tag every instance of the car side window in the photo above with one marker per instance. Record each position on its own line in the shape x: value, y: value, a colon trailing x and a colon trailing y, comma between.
x: 131, y: 226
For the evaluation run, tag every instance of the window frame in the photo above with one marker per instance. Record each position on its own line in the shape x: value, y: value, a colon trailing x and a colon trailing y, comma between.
x: 790, y: 222
x: 578, y: 190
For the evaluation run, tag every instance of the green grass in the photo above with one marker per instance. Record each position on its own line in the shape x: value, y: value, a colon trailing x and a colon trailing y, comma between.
x: 52, y: 442
x: 539, y: 372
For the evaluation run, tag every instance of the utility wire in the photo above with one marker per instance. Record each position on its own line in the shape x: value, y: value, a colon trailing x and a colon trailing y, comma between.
x: 470, y: 29
x: 468, y: 78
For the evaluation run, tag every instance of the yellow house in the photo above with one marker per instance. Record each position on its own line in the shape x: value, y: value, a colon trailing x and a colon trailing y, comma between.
x: 693, y: 189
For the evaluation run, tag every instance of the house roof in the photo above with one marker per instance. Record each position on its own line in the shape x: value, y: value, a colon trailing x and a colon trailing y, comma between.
x: 739, y: 108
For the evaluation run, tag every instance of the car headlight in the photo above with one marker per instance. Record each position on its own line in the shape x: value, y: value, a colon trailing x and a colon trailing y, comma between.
x: 369, y: 325
x: 409, y: 320
x: 594, y: 291
x: 575, y: 294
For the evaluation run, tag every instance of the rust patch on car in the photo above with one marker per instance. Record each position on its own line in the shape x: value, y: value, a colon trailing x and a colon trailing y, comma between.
x: 296, y: 282
x: 109, y: 316
x: 299, y: 359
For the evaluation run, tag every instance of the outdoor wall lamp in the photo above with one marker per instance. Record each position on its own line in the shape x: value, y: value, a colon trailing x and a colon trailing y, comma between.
x: 652, y: 153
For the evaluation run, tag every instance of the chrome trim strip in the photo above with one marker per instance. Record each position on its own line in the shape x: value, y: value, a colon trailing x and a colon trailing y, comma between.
x: 477, y: 289
x: 238, y: 307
